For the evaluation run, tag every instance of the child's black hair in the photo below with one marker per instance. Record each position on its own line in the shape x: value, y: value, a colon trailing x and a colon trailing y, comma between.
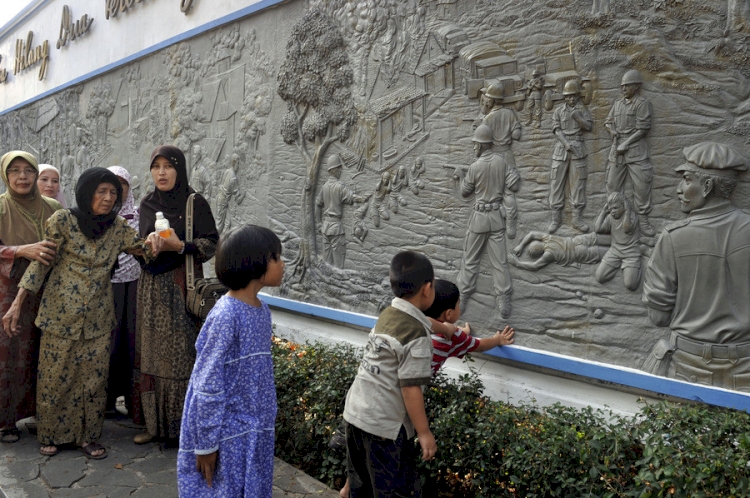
x: 446, y: 297
x: 243, y: 254
x: 409, y: 272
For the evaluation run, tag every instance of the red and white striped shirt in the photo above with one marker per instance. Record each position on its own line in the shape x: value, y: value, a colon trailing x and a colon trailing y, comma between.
x: 457, y: 346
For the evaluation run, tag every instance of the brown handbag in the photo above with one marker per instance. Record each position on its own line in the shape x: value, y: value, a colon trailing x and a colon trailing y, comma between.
x: 202, y: 293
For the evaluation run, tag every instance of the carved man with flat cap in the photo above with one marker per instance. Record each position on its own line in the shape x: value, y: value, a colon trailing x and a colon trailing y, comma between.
x: 698, y: 278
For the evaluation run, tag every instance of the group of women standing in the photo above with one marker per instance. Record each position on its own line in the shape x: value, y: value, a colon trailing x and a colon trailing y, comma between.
x: 93, y: 301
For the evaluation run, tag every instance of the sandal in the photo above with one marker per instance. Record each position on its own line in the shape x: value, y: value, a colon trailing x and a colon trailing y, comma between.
x: 90, y: 448
x: 49, y: 453
x: 10, y: 435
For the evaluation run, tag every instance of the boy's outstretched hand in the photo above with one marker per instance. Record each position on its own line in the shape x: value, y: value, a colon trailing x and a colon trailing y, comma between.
x: 506, y: 336
x: 466, y: 328
x: 206, y: 465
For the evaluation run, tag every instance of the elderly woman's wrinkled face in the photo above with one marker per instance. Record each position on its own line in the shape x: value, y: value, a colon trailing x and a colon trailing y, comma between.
x: 104, y: 199
x: 164, y: 174
x: 49, y: 183
x: 21, y: 176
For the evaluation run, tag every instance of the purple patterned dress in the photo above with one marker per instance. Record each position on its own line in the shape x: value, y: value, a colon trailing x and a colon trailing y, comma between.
x: 230, y: 404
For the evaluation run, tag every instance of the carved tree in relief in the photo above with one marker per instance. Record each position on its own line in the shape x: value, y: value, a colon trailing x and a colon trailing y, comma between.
x: 315, y: 81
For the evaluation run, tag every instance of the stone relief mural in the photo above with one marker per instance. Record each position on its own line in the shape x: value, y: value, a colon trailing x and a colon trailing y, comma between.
x: 589, y: 107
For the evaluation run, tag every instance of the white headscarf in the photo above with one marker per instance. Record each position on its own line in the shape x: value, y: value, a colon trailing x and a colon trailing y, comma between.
x: 60, y: 197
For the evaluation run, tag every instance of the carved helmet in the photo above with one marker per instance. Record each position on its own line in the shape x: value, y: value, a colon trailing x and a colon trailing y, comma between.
x: 536, y: 73
x: 494, y: 91
x: 571, y: 88
x: 631, y: 77
x: 483, y: 134
x: 334, y: 161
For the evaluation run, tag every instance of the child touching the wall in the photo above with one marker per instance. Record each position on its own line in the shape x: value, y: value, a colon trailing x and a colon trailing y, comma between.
x: 446, y: 309
x: 227, y: 434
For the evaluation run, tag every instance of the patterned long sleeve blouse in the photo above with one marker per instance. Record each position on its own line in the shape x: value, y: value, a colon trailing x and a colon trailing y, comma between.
x: 77, y: 301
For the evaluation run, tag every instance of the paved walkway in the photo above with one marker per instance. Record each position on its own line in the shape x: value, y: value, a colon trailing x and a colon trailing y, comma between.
x: 146, y: 471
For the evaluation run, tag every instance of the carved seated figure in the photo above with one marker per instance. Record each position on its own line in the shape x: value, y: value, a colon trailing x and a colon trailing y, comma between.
x: 620, y: 219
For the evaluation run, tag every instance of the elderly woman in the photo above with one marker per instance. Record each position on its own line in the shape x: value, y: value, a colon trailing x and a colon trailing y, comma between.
x: 48, y: 182
x: 166, y: 332
x: 23, y: 211
x: 125, y: 290
x: 76, y: 314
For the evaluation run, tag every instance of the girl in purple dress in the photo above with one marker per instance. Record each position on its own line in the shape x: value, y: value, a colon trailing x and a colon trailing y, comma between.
x: 227, y: 433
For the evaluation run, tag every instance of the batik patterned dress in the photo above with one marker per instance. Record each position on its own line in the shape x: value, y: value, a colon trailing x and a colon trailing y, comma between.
x: 231, y: 404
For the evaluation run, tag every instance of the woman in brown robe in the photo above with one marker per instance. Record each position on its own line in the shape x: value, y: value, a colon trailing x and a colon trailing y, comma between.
x: 23, y: 211
x: 165, y: 331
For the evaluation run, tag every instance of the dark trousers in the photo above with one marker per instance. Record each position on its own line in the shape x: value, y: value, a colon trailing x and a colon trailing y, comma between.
x: 122, y: 347
x: 381, y: 468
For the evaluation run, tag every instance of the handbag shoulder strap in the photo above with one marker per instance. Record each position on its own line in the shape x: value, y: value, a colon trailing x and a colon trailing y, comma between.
x: 189, y: 262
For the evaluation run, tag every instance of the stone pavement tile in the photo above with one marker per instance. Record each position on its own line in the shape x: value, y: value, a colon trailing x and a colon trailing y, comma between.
x: 93, y: 492
x: 62, y: 473
x: 165, y: 478
x: 156, y: 492
x: 111, y: 477
x: 25, y: 450
x: 26, y: 490
x: 148, y: 466
x: 23, y: 471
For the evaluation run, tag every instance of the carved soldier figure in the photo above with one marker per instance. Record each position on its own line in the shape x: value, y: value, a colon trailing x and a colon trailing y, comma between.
x: 545, y: 248
x: 400, y: 180
x: 698, y: 278
x: 380, y: 199
x: 200, y: 178
x: 68, y: 174
x: 486, y: 179
x: 505, y: 129
x: 628, y: 123
x: 536, y: 86
x: 229, y: 187
x: 329, y: 209
x: 570, y: 120
x: 619, y: 219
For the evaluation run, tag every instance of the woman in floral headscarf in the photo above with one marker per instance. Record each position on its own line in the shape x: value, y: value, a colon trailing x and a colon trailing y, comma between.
x: 125, y: 290
x: 166, y: 332
x: 23, y: 211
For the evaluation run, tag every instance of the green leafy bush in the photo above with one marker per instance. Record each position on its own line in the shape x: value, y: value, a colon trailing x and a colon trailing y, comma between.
x: 490, y: 449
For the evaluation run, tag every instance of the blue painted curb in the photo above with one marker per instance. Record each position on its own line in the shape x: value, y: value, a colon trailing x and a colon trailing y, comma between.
x: 599, y: 371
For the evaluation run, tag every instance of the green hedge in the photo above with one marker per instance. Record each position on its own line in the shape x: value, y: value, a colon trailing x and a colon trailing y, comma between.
x: 487, y: 448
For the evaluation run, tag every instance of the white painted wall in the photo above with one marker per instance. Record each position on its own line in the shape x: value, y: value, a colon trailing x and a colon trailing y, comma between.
x: 108, y: 41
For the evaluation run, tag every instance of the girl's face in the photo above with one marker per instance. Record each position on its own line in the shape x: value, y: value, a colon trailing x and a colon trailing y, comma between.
x: 125, y: 187
x: 48, y: 183
x: 164, y: 174
x: 104, y: 199
x: 274, y: 273
x: 21, y: 176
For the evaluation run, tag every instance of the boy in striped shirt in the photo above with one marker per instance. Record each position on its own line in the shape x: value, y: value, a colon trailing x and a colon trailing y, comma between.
x: 445, y: 308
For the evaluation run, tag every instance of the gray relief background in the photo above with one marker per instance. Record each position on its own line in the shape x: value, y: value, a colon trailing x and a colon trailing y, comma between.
x: 381, y: 83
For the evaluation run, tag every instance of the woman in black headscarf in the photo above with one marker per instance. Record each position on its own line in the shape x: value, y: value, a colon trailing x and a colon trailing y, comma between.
x: 165, y: 331
x: 76, y: 314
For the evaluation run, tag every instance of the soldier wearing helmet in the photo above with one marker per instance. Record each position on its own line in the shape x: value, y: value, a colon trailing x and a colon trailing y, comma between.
x: 536, y: 86
x: 505, y: 129
x: 570, y: 120
x: 329, y: 210
x: 487, y: 178
x: 628, y: 123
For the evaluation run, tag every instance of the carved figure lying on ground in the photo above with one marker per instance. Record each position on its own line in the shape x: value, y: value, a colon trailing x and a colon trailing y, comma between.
x: 546, y: 248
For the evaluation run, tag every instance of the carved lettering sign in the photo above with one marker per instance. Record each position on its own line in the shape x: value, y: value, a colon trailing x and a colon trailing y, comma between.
x: 27, y: 56
x: 114, y: 7
x: 3, y: 72
x: 70, y: 30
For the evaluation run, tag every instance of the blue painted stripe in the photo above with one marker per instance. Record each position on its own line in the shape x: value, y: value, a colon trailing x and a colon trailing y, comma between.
x: 234, y: 16
x: 598, y: 371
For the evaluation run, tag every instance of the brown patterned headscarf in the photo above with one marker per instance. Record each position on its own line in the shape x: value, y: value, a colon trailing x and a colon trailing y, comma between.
x: 22, y: 217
